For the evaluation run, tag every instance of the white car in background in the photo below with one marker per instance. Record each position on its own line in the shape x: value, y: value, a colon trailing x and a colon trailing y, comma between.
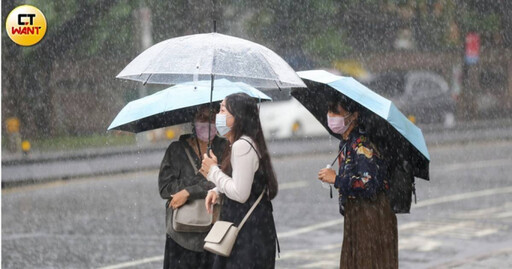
x: 285, y: 117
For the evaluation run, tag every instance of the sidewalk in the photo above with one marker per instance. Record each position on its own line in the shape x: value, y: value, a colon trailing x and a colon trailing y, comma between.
x: 41, y: 167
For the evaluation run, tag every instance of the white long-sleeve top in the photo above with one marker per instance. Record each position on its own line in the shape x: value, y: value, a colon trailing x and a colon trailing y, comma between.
x: 245, y: 162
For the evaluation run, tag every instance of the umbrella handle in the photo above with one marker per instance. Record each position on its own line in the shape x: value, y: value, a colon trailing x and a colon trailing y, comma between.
x: 208, y: 151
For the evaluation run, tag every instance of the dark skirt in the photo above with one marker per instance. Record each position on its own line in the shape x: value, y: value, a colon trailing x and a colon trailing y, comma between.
x: 255, y: 246
x: 253, y: 250
x: 178, y: 257
x: 370, y: 236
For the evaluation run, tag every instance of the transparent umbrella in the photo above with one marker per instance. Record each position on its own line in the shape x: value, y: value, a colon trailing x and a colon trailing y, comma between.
x: 211, y: 56
x: 204, y: 56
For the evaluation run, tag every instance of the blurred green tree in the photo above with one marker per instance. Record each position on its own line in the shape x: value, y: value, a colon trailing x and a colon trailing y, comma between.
x: 101, y: 35
x: 26, y: 72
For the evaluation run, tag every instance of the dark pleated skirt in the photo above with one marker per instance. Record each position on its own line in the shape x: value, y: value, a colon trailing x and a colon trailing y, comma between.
x: 370, y: 236
x: 178, y: 257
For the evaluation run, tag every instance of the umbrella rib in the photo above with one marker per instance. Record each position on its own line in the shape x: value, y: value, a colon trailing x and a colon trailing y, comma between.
x: 143, y: 72
x: 271, y: 69
x: 146, y: 81
x: 277, y: 85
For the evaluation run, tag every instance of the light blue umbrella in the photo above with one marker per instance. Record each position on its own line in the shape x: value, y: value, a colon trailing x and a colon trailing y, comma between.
x: 398, y: 139
x: 319, y: 84
x: 177, y: 104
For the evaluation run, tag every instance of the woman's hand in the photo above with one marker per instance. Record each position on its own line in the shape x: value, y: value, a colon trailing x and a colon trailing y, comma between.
x: 179, y: 199
x: 207, y: 163
x: 210, y: 200
x: 327, y: 175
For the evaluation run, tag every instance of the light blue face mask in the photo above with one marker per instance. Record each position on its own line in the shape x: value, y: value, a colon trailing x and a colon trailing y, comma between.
x: 220, y: 123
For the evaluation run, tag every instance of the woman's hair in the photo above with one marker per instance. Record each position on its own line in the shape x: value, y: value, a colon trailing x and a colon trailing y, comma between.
x: 247, y: 122
x: 203, y: 114
x: 335, y: 99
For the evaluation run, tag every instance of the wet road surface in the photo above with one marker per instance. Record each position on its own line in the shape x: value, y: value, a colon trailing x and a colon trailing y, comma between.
x: 463, y: 218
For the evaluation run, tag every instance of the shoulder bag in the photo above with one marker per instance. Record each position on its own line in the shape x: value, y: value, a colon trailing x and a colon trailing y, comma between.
x: 192, y: 216
x: 221, y: 238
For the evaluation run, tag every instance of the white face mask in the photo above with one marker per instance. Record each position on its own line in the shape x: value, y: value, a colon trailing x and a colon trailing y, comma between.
x: 220, y: 123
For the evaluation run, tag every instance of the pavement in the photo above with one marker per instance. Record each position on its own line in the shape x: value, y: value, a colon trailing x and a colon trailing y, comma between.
x: 41, y: 167
x: 38, y: 167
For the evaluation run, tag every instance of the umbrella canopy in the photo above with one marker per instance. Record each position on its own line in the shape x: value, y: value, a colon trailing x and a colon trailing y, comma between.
x: 391, y: 122
x: 176, y: 105
x: 401, y: 142
x: 201, y: 56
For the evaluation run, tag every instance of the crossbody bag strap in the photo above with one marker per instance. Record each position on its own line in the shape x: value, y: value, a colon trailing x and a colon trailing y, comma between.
x: 190, y: 159
x: 252, y: 209
x: 259, y: 198
x: 252, y: 146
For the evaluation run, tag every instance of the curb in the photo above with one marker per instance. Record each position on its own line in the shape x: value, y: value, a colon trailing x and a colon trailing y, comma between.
x: 461, y: 130
x: 19, y: 159
x: 43, y: 168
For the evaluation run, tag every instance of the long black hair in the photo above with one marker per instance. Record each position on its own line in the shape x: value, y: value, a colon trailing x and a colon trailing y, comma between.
x: 247, y: 122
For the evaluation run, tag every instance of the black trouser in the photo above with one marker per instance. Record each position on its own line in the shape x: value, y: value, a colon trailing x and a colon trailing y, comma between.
x: 178, y: 257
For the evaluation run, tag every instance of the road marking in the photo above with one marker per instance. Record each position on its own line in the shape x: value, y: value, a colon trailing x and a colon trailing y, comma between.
x: 504, y: 215
x: 444, y: 229
x: 474, y: 259
x: 451, y: 229
x: 134, y: 263
x: 462, y: 196
x: 418, y: 243
x: 460, y: 229
x: 293, y: 185
x: 434, y: 201
x: 302, y: 252
x: 472, y: 165
x: 310, y: 228
x: 487, y: 213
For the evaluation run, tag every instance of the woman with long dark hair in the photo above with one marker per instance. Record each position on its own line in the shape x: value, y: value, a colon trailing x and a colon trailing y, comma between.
x: 245, y: 172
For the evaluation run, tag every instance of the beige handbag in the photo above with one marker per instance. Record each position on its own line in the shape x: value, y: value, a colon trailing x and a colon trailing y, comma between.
x: 221, y: 238
x: 192, y: 216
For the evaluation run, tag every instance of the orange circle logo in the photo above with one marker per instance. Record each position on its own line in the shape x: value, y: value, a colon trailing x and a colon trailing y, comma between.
x: 26, y: 25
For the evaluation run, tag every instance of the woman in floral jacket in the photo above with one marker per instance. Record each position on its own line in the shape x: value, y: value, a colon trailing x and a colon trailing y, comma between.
x: 370, y: 237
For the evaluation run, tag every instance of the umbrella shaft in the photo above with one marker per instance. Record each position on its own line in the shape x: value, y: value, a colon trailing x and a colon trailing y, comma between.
x: 210, y: 117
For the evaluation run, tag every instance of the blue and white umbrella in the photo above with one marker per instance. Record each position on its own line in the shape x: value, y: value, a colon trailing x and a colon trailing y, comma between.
x: 315, y: 100
x: 396, y: 136
x: 177, y: 104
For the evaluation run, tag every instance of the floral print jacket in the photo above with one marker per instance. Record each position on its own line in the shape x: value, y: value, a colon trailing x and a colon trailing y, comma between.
x: 362, y: 170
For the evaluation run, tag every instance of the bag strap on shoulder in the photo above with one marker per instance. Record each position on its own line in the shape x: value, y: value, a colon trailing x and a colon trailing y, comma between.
x: 190, y: 159
x: 259, y: 198
x: 252, y: 146
x: 252, y: 209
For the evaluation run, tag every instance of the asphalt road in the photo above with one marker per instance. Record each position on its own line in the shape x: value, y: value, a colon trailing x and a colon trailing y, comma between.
x: 463, y: 218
